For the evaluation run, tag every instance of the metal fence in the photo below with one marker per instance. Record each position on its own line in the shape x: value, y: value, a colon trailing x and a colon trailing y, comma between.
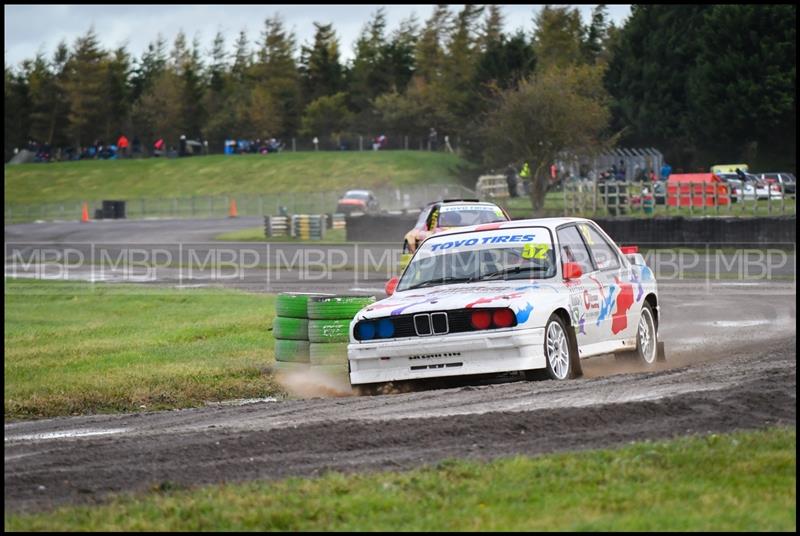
x: 627, y: 198
x: 320, y: 202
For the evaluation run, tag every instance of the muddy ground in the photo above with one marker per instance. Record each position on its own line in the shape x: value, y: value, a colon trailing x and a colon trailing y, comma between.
x: 731, y: 347
x: 84, y: 459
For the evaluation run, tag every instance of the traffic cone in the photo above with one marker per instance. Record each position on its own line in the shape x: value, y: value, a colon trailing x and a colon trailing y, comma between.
x: 85, y: 213
x: 233, y: 213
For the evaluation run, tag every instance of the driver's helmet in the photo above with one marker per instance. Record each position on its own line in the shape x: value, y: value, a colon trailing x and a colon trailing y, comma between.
x: 450, y: 219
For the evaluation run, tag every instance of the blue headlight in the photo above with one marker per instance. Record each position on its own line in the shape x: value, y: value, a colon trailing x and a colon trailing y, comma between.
x: 366, y: 330
x: 385, y: 328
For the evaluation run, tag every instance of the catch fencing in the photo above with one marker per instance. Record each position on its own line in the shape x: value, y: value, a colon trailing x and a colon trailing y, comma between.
x: 320, y: 202
x: 648, y: 199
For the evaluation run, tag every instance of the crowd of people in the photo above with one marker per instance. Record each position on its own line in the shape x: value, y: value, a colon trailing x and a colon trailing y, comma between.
x: 257, y: 146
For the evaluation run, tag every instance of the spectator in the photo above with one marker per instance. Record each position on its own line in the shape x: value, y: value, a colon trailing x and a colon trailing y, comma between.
x: 447, y: 144
x: 316, y: 143
x: 137, y: 145
x: 666, y: 170
x: 511, y: 180
x: 122, y: 145
x: 433, y: 140
x: 158, y: 147
x: 620, y: 171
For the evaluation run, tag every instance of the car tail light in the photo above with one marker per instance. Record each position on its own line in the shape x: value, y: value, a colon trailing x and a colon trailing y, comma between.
x: 503, y: 318
x: 629, y: 249
x: 481, y: 319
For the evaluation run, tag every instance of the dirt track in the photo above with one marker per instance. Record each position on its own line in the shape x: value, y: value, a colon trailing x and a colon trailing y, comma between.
x: 731, y: 348
x: 45, y: 468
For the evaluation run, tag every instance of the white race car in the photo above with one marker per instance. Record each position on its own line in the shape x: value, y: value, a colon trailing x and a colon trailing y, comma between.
x: 525, y: 295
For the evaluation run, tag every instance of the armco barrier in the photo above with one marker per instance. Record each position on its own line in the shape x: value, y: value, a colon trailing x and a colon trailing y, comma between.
x: 379, y: 227
x: 777, y: 231
x: 774, y: 231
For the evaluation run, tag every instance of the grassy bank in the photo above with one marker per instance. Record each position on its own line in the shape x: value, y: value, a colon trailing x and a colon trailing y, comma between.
x: 256, y: 234
x: 73, y: 348
x: 738, y: 482
x: 221, y: 175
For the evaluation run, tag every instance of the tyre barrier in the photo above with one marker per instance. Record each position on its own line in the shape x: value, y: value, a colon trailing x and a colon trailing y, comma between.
x: 313, y: 330
x: 338, y: 221
x: 308, y: 226
x: 295, y: 329
x: 289, y: 351
x: 329, y: 330
x: 276, y: 226
x: 336, y: 307
x: 294, y: 304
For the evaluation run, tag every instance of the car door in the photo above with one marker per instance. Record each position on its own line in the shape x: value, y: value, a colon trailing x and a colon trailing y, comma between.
x: 618, y: 315
x: 585, y: 292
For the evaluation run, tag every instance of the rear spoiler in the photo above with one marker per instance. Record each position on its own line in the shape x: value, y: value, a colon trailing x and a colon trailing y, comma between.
x: 456, y: 200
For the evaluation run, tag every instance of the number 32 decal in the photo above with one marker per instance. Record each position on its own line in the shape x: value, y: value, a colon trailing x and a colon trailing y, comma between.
x: 535, y: 251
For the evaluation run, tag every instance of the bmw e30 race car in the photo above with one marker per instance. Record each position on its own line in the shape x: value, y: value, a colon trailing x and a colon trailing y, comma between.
x: 526, y: 295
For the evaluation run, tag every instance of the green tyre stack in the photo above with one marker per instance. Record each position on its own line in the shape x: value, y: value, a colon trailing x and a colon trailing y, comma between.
x: 329, y: 332
x: 290, y: 329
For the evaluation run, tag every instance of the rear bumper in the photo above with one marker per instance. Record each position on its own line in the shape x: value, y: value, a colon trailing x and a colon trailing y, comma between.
x: 448, y: 355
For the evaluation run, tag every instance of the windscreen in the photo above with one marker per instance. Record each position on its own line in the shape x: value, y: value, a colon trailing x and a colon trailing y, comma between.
x: 502, y: 254
x: 466, y: 215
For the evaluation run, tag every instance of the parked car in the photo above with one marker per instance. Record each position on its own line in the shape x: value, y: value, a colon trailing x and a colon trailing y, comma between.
x: 786, y: 181
x: 758, y: 188
x: 358, y: 201
x: 448, y: 213
x: 536, y: 296
x: 735, y: 185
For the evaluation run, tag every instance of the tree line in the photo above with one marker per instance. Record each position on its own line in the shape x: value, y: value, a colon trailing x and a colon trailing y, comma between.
x: 704, y: 84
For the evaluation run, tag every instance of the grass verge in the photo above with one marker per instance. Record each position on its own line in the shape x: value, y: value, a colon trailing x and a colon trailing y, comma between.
x: 221, y: 175
x: 75, y: 348
x: 256, y: 234
x: 734, y: 482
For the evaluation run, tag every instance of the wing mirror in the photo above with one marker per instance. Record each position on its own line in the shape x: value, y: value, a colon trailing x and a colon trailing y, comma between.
x: 391, y: 285
x: 572, y: 270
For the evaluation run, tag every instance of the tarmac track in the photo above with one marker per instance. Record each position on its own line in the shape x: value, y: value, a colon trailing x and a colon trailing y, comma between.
x: 731, y: 349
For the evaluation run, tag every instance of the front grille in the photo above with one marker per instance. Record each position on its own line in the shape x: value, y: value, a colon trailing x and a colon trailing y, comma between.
x: 456, y: 321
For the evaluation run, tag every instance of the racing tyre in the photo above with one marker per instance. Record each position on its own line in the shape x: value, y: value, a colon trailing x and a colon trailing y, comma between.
x: 287, y: 351
x: 336, y: 307
x: 560, y: 350
x: 290, y: 328
x: 329, y: 330
x: 648, y: 348
x: 329, y: 353
x: 292, y: 305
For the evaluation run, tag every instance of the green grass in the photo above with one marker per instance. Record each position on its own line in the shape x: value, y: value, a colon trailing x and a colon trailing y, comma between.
x: 75, y: 348
x: 222, y: 175
x: 256, y: 234
x: 735, y: 482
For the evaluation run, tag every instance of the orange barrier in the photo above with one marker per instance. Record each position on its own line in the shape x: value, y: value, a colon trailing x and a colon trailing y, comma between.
x: 233, y: 213
x: 85, y: 213
x: 696, y: 189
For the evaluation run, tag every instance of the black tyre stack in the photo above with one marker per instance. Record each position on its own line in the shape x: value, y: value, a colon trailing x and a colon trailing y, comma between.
x: 329, y: 331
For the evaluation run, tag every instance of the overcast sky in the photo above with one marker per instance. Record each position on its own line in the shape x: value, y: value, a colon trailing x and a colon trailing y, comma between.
x: 34, y: 28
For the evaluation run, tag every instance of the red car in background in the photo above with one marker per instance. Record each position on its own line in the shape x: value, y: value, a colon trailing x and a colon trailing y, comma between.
x: 358, y: 201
